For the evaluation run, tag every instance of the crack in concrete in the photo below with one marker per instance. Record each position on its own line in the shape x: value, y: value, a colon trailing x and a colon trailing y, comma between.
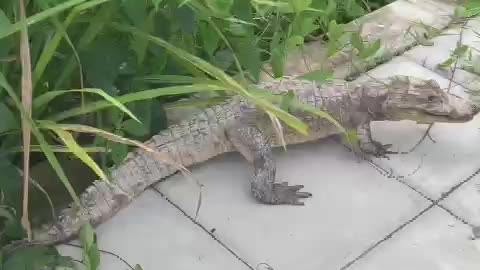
x: 203, y: 228
x: 432, y: 205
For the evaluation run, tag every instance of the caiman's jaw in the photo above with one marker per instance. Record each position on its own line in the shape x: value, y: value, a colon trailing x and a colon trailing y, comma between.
x: 425, y: 102
x: 457, y: 110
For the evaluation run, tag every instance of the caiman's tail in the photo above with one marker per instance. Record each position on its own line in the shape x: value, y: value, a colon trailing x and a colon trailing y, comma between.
x: 189, y: 142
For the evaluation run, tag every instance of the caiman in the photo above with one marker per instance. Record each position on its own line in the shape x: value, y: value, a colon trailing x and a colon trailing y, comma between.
x: 237, y: 125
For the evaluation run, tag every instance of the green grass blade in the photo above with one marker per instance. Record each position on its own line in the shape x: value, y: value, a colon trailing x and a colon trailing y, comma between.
x: 41, y: 140
x: 57, y: 149
x: 79, y: 152
x: 38, y: 17
x: 177, y: 79
x: 95, y: 27
x: 229, y: 83
x: 47, y: 97
x: 52, y: 45
x: 142, y: 95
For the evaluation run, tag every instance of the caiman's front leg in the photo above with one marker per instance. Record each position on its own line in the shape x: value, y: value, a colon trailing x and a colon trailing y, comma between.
x: 251, y: 143
x: 368, y: 145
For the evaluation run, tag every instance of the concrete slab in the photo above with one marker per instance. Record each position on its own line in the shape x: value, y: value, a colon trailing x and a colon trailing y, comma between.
x: 352, y: 207
x: 465, y: 201
x: 433, y: 168
x: 431, y: 56
x: 153, y: 233
x: 434, y: 241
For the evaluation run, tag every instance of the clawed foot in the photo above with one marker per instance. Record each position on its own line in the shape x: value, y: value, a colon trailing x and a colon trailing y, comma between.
x: 281, y: 193
x: 377, y: 149
x: 286, y: 194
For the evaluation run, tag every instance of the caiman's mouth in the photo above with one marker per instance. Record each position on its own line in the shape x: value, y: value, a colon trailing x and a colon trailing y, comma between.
x: 429, y: 117
x: 451, y: 117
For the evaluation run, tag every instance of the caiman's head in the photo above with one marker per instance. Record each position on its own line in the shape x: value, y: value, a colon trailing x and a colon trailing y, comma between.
x: 409, y: 98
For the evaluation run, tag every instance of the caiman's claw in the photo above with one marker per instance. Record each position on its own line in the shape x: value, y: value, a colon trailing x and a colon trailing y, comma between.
x: 285, y: 194
x: 377, y: 149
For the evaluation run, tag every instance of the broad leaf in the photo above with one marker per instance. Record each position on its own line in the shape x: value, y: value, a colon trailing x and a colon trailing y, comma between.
x: 210, y: 38
x: 34, y: 257
x: 248, y: 54
x: 318, y: 76
x: 134, y: 128
x: 8, y: 120
x: 91, y: 252
x: 102, y: 62
x: 220, y: 7
x: 299, y: 5
x: 6, y: 44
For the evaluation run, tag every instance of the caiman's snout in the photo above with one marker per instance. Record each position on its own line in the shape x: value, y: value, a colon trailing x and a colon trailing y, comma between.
x: 462, y: 110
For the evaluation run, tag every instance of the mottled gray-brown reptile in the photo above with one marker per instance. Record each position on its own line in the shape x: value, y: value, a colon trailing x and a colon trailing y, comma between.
x: 237, y: 125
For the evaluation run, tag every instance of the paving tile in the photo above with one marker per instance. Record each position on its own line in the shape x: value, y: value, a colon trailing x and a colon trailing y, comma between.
x: 443, y: 46
x: 465, y: 201
x: 154, y: 234
x: 352, y: 207
x: 433, y: 168
x: 435, y: 241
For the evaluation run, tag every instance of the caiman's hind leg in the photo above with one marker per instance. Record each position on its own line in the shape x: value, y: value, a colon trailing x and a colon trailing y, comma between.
x: 251, y: 143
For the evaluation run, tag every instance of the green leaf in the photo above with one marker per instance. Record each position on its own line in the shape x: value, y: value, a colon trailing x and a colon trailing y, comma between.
x: 10, y: 183
x: 38, y: 17
x: 138, y: 267
x: 299, y: 5
x: 447, y: 62
x: 357, y: 42
x: 80, y: 153
x: 223, y: 59
x: 248, y: 54
x: 8, y: 122
x: 238, y: 29
x: 32, y: 257
x: 277, y: 61
x: 220, y: 7
x: 278, y: 56
x: 335, y: 31
x: 175, y: 79
x: 47, y: 151
x: 318, y: 76
x: 136, y: 11
x: 287, y: 101
x: 119, y: 151
x: 294, y: 41
x: 371, y: 49
x: 460, y: 50
x: 102, y: 62
x: 6, y: 44
x: 140, y: 45
x: 47, y: 97
x: 227, y: 81
x: 156, y: 4
x: 210, y: 38
x: 90, y: 249
x: 134, y: 128
x: 142, y: 95
x: 332, y: 47
x: 472, y: 4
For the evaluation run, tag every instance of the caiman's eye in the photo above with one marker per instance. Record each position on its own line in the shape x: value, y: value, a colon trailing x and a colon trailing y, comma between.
x: 430, y: 98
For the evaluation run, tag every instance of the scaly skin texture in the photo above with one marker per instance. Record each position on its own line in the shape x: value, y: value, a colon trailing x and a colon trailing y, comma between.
x: 237, y: 126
